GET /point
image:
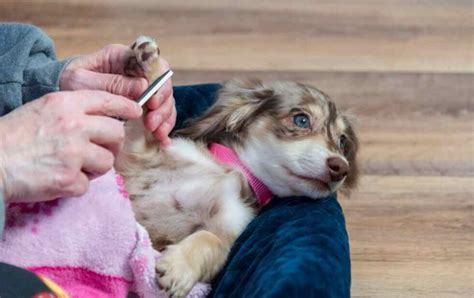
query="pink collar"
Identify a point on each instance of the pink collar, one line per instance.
(226, 155)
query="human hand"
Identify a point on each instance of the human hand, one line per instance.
(52, 146)
(104, 70)
(161, 116)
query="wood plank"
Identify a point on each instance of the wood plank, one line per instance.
(276, 35)
(412, 236)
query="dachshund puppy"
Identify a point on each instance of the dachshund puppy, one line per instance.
(257, 141)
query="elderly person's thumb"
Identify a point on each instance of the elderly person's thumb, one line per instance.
(82, 79)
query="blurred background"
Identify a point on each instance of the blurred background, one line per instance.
(404, 68)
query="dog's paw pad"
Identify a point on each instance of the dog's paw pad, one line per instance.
(174, 274)
(132, 67)
(143, 57)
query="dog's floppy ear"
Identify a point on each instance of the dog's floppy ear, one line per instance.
(351, 156)
(239, 102)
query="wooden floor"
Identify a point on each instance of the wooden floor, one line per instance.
(404, 68)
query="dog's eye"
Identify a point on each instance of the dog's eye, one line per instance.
(301, 120)
(343, 142)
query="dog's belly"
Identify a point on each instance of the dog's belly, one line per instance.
(189, 191)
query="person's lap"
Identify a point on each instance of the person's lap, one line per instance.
(295, 247)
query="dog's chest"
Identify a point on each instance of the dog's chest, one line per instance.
(185, 167)
(189, 186)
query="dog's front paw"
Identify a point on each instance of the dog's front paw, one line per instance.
(174, 272)
(143, 58)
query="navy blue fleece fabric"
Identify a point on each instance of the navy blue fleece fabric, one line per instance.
(295, 247)
(193, 101)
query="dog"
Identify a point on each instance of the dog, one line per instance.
(286, 138)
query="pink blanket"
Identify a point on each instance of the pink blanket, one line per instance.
(90, 245)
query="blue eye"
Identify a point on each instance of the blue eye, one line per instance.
(343, 142)
(301, 120)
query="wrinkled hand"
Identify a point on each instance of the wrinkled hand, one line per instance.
(104, 71)
(52, 146)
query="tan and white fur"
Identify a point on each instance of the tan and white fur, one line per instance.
(290, 136)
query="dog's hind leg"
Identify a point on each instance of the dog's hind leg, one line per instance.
(198, 257)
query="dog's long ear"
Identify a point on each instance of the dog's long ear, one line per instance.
(239, 102)
(350, 153)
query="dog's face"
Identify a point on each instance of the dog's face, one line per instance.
(290, 135)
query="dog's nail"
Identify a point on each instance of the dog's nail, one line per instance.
(143, 45)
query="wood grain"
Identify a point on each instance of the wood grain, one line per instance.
(271, 35)
(411, 236)
(404, 68)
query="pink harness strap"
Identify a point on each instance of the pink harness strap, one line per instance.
(226, 155)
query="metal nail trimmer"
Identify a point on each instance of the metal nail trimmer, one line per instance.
(154, 87)
(151, 90)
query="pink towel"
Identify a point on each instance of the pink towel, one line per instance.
(90, 245)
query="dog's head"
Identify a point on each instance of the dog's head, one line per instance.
(290, 135)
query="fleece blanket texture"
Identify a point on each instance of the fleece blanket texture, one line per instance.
(91, 245)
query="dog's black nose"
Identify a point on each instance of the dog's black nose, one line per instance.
(338, 168)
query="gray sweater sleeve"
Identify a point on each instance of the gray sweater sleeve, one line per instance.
(28, 65)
